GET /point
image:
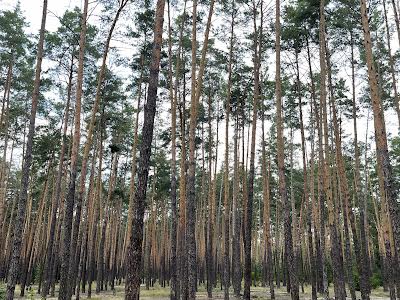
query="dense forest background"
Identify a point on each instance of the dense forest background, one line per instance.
(212, 148)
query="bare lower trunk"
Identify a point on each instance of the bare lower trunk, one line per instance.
(291, 263)
(64, 293)
(134, 254)
(20, 219)
(384, 168)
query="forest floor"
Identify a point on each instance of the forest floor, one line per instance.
(158, 293)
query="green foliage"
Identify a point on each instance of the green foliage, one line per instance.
(395, 155)
(2, 291)
(376, 280)
(13, 40)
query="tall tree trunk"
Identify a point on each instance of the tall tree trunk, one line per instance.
(101, 263)
(267, 214)
(236, 224)
(73, 266)
(305, 181)
(97, 199)
(248, 217)
(3, 163)
(64, 293)
(174, 211)
(391, 64)
(386, 181)
(361, 199)
(197, 83)
(211, 201)
(291, 262)
(226, 165)
(348, 216)
(319, 210)
(396, 18)
(133, 159)
(55, 200)
(20, 219)
(340, 292)
(134, 254)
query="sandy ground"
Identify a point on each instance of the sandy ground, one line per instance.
(158, 293)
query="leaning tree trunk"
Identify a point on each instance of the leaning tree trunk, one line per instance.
(20, 219)
(386, 181)
(391, 64)
(134, 254)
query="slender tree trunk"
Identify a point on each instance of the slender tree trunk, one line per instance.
(396, 18)
(386, 181)
(55, 200)
(3, 164)
(211, 200)
(101, 264)
(339, 284)
(391, 64)
(73, 266)
(97, 197)
(197, 83)
(291, 262)
(64, 293)
(236, 261)
(361, 199)
(226, 171)
(305, 182)
(174, 211)
(248, 217)
(348, 216)
(20, 220)
(267, 214)
(320, 221)
(133, 158)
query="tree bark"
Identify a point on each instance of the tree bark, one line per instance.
(64, 293)
(226, 170)
(174, 210)
(134, 254)
(20, 219)
(196, 87)
(55, 200)
(73, 266)
(291, 261)
(387, 185)
(361, 199)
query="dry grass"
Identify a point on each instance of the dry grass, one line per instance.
(158, 293)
